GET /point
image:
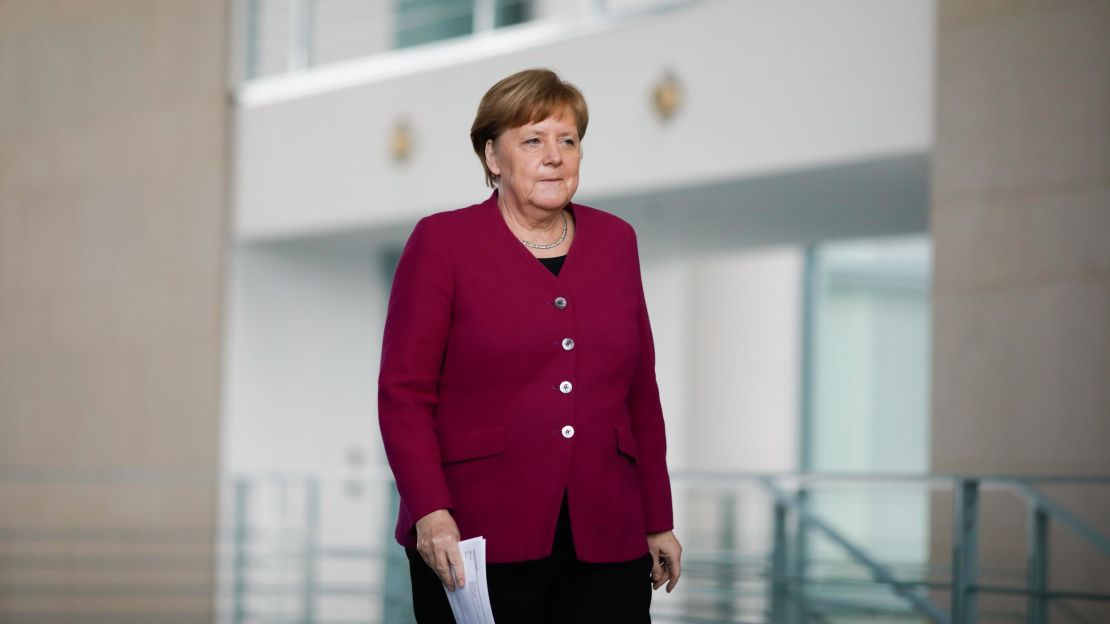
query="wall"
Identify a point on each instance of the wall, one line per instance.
(744, 361)
(1021, 227)
(113, 160)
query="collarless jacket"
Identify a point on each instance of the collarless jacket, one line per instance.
(502, 386)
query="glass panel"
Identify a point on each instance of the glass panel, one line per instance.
(511, 12)
(870, 349)
(869, 392)
(425, 21)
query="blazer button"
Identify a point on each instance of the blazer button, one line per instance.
(565, 387)
(560, 302)
(568, 343)
(568, 432)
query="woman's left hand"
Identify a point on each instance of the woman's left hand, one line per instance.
(666, 559)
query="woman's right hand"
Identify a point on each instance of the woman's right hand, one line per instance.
(437, 541)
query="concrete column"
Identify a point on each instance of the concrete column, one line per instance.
(113, 168)
(1021, 227)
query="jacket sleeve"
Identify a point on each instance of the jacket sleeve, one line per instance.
(646, 414)
(417, 324)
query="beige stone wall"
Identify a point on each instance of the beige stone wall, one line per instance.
(113, 168)
(1021, 228)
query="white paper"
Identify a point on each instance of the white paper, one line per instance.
(470, 603)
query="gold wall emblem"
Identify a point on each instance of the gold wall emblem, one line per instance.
(667, 95)
(401, 142)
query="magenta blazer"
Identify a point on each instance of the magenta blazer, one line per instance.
(503, 385)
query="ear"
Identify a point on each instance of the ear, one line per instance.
(491, 158)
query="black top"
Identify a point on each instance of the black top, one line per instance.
(554, 264)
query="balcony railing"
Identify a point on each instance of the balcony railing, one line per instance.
(786, 548)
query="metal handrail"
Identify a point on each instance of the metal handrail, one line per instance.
(1041, 509)
(785, 572)
(880, 572)
(1081, 528)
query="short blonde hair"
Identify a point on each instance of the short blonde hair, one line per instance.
(525, 97)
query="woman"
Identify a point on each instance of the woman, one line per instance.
(517, 394)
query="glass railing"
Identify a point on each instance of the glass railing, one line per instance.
(119, 547)
(278, 37)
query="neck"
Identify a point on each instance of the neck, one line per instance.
(530, 219)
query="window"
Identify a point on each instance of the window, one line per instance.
(285, 36)
(424, 21)
(868, 388)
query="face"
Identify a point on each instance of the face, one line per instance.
(537, 162)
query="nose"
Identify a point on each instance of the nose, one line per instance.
(552, 156)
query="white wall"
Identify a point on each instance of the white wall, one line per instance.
(666, 289)
(304, 334)
(745, 361)
(769, 86)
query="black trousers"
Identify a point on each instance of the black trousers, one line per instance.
(559, 588)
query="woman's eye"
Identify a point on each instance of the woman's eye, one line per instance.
(568, 141)
(532, 141)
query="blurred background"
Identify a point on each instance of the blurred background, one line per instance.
(876, 248)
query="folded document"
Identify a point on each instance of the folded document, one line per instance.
(470, 603)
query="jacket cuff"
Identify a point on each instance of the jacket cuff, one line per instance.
(423, 492)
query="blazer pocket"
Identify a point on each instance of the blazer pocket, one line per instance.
(626, 442)
(457, 446)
